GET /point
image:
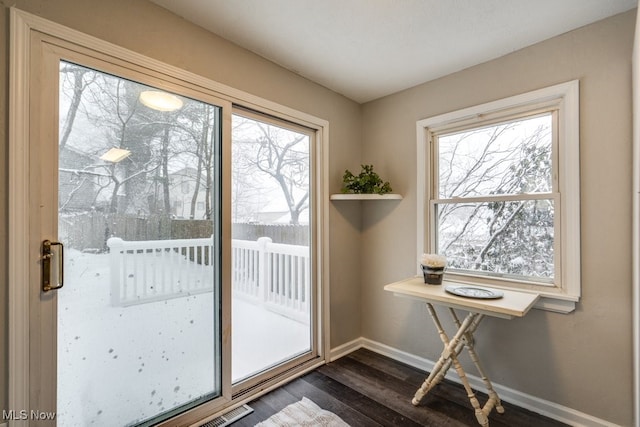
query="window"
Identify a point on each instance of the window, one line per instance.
(500, 193)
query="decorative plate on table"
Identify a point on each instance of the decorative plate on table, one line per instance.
(473, 292)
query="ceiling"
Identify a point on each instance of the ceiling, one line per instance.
(366, 49)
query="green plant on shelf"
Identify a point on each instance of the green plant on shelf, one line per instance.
(367, 182)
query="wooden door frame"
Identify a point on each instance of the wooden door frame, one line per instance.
(21, 260)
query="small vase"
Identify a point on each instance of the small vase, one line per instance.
(432, 275)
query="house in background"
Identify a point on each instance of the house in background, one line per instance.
(78, 191)
(182, 188)
(577, 366)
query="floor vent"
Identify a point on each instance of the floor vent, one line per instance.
(229, 417)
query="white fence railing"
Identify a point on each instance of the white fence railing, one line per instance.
(156, 270)
(275, 275)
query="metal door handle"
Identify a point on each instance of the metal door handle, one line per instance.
(47, 254)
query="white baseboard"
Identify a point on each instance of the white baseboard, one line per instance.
(515, 397)
(344, 349)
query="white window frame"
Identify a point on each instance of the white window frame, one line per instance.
(564, 98)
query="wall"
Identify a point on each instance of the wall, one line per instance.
(148, 29)
(636, 219)
(582, 360)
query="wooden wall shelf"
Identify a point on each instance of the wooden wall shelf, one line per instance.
(366, 197)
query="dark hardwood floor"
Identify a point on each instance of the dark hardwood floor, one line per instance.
(367, 389)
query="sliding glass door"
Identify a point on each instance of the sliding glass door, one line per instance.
(273, 292)
(127, 216)
(138, 317)
(167, 241)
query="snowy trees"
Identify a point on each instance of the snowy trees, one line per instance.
(169, 169)
(494, 202)
(99, 112)
(265, 157)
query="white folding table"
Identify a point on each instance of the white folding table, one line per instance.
(512, 304)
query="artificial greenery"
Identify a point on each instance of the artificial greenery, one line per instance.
(367, 182)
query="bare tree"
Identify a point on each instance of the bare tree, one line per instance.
(281, 155)
(110, 104)
(510, 236)
(78, 84)
(195, 132)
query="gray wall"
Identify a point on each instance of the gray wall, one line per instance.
(148, 29)
(582, 360)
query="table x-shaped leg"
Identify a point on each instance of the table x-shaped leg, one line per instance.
(452, 348)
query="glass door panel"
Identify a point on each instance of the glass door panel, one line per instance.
(271, 257)
(139, 334)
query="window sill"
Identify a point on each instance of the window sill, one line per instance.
(555, 305)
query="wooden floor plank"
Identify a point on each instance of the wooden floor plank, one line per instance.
(375, 360)
(261, 411)
(414, 377)
(266, 406)
(380, 414)
(396, 395)
(332, 403)
(449, 390)
(367, 389)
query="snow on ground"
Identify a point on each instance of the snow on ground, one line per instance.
(119, 365)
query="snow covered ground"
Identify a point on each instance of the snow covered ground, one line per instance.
(119, 365)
